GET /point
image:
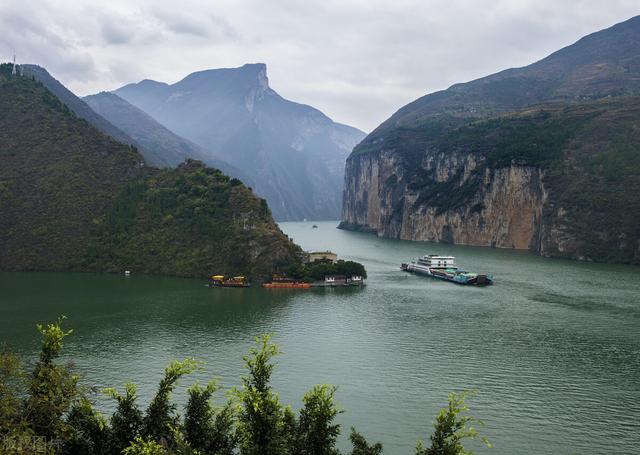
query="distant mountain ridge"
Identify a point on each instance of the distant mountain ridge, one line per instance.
(73, 102)
(293, 153)
(160, 146)
(544, 157)
(601, 64)
(126, 124)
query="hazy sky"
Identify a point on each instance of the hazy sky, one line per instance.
(358, 61)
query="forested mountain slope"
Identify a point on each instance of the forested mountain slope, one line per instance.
(72, 198)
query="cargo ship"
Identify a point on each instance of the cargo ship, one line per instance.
(445, 268)
(220, 281)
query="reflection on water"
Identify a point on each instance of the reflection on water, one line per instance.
(553, 347)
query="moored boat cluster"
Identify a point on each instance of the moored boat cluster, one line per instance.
(320, 269)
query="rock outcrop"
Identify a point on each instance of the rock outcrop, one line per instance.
(506, 212)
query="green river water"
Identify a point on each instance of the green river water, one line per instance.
(553, 348)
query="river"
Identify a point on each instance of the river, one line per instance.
(553, 348)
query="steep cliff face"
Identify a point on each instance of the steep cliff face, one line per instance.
(559, 180)
(505, 212)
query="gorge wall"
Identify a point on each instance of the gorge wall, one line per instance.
(505, 212)
(544, 157)
(557, 180)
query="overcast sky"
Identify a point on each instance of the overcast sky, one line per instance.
(356, 60)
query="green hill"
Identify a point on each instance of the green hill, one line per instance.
(72, 198)
(600, 65)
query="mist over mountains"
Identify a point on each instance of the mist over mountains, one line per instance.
(128, 125)
(293, 153)
(159, 145)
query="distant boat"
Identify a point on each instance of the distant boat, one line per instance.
(219, 281)
(315, 226)
(445, 268)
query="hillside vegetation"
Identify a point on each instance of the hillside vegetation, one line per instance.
(72, 198)
(189, 221)
(545, 157)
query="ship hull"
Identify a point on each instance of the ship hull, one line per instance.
(457, 278)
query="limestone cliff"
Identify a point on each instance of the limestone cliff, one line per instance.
(505, 212)
(475, 186)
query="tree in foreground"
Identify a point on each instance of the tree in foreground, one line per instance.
(52, 388)
(261, 417)
(126, 421)
(361, 446)
(160, 419)
(208, 429)
(12, 379)
(145, 447)
(452, 426)
(317, 430)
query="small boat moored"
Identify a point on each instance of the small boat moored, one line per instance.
(220, 281)
(445, 268)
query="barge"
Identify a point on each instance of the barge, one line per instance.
(445, 268)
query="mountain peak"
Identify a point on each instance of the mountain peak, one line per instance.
(249, 76)
(260, 72)
(258, 67)
(151, 83)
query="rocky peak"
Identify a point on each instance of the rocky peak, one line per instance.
(260, 87)
(259, 72)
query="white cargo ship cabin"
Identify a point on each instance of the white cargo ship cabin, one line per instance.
(434, 261)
